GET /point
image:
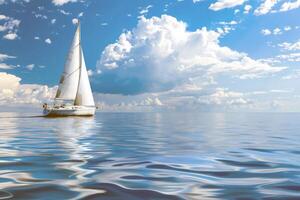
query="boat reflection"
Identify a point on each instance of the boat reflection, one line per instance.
(75, 137)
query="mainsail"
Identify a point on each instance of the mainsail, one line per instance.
(74, 82)
(68, 82)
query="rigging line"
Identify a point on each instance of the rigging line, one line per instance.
(67, 76)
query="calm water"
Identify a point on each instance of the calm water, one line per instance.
(150, 156)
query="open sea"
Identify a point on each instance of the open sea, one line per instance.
(150, 156)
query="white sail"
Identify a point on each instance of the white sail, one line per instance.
(69, 80)
(84, 96)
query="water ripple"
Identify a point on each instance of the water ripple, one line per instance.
(150, 156)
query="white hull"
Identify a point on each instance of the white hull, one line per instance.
(69, 111)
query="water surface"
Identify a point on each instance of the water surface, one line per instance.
(150, 156)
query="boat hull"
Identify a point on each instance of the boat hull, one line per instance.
(69, 111)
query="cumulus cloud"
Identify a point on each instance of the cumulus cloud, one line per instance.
(221, 4)
(9, 81)
(161, 54)
(12, 91)
(10, 36)
(265, 7)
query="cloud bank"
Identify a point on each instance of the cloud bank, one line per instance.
(13, 92)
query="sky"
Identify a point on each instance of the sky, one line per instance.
(183, 55)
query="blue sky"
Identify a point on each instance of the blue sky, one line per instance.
(219, 53)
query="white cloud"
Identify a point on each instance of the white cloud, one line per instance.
(290, 46)
(247, 9)
(48, 41)
(10, 24)
(160, 54)
(190, 97)
(226, 27)
(292, 57)
(53, 21)
(62, 2)
(265, 7)
(117, 102)
(287, 28)
(12, 91)
(10, 36)
(266, 32)
(286, 6)
(229, 23)
(14, 1)
(36, 38)
(9, 81)
(294, 75)
(3, 17)
(64, 12)
(5, 57)
(221, 4)
(277, 31)
(145, 10)
(221, 96)
(6, 66)
(236, 11)
(30, 67)
(36, 15)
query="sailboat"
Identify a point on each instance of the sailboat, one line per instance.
(74, 95)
